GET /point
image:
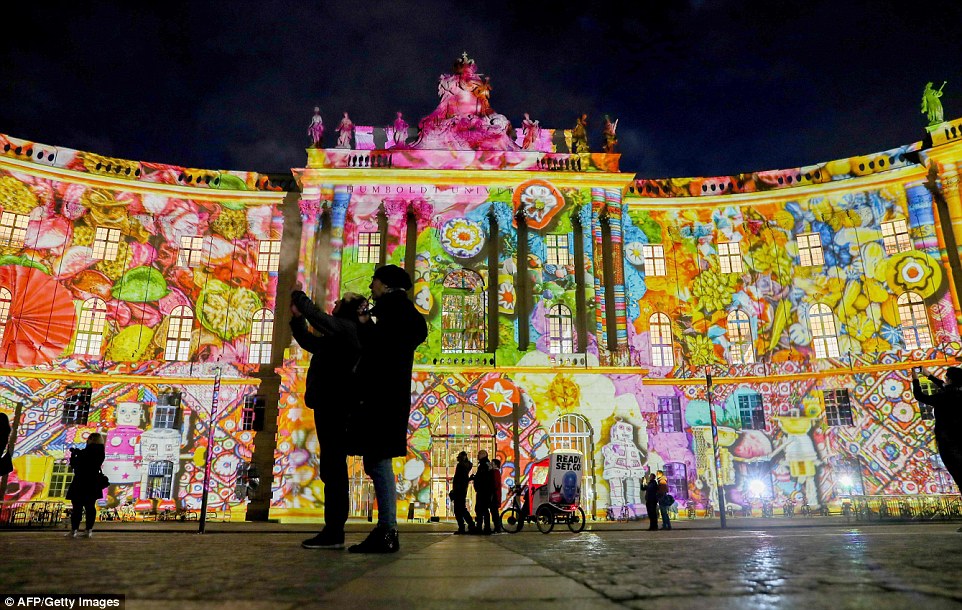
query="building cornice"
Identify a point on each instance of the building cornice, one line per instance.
(457, 177)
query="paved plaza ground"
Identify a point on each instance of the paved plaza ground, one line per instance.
(755, 564)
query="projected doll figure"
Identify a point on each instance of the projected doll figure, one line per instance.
(122, 464)
(623, 467)
(316, 129)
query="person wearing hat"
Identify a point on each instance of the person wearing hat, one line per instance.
(378, 428)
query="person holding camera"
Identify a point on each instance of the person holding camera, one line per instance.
(946, 402)
(459, 494)
(331, 393)
(87, 485)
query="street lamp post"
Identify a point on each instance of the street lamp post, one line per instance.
(715, 448)
(202, 522)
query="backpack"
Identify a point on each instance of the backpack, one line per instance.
(666, 500)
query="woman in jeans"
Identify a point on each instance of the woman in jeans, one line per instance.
(86, 487)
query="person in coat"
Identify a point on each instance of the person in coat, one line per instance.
(330, 392)
(459, 494)
(662, 495)
(651, 501)
(947, 407)
(496, 496)
(483, 492)
(378, 429)
(86, 487)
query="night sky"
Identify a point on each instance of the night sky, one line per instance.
(700, 87)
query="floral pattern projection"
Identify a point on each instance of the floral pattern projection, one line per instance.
(54, 272)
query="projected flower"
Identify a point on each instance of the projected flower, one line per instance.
(462, 238)
(506, 296)
(423, 299)
(497, 396)
(915, 271)
(41, 318)
(540, 201)
(635, 253)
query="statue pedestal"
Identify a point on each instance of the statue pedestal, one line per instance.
(935, 127)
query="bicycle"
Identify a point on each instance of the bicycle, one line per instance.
(620, 513)
(691, 511)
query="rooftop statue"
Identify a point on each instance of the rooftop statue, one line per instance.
(345, 130)
(316, 128)
(532, 130)
(400, 129)
(464, 119)
(611, 139)
(579, 135)
(931, 104)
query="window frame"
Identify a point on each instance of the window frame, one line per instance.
(559, 320)
(677, 483)
(752, 404)
(90, 327)
(741, 345)
(557, 253)
(6, 302)
(810, 253)
(261, 335)
(61, 475)
(730, 257)
(76, 406)
(368, 247)
(167, 409)
(656, 340)
(669, 414)
(458, 304)
(191, 251)
(106, 244)
(918, 326)
(893, 239)
(13, 229)
(166, 477)
(269, 255)
(656, 254)
(823, 340)
(838, 407)
(252, 413)
(177, 343)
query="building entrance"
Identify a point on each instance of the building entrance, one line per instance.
(461, 428)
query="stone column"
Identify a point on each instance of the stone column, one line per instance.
(342, 197)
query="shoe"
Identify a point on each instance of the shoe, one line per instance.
(652, 529)
(486, 532)
(378, 541)
(325, 540)
(460, 533)
(71, 534)
(87, 534)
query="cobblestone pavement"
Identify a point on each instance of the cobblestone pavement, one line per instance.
(877, 567)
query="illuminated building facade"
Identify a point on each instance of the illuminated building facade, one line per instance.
(570, 305)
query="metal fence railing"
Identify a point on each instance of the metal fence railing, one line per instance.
(935, 507)
(31, 514)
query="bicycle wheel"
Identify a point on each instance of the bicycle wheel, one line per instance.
(576, 520)
(511, 520)
(545, 519)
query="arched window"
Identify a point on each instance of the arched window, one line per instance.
(461, 428)
(821, 321)
(178, 334)
(573, 431)
(262, 332)
(662, 350)
(5, 300)
(914, 321)
(464, 313)
(560, 330)
(90, 329)
(740, 350)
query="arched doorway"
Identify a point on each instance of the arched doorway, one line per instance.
(573, 431)
(460, 428)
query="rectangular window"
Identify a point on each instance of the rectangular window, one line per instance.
(677, 475)
(729, 257)
(60, 479)
(252, 416)
(895, 236)
(751, 411)
(106, 244)
(160, 479)
(269, 255)
(13, 229)
(838, 407)
(76, 406)
(654, 259)
(557, 249)
(167, 411)
(369, 247)
(810, 250)
(191, 250)
(669, 414)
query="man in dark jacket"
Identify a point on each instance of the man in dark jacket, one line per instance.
(483, 491)
(651, 501)
(378, 430)
(496, 496)
(459, 493)
(947, 408)
(331, 394)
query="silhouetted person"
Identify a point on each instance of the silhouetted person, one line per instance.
(496, 495)
(378, 429)
(946, 402)
(459, 493)
(651, 501)
(6, 460)
(331, 392)
(483, 490)
(663, 503)
(86, 487)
